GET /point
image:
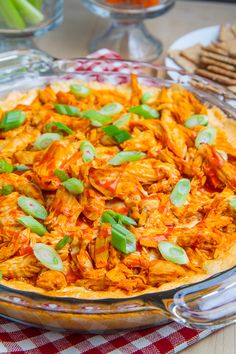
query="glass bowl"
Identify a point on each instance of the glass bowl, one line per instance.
(12, 38)
(127, 34)
(210, 303)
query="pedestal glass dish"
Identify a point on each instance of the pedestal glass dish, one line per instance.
(127, 34)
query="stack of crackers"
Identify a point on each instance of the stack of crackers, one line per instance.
(216, 62)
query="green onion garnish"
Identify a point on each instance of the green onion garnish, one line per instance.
(172, 252)
(44, 140)
(232, 203)
(146, 97)
(122, 239)
(48, 256)
(21, 168)
(115, 217)
(12, 120)
(196, 120)
(126, 156)
(74, 185)
(180, 192)
(80, 90)
(67, 110)
(29, 12)
(7, 189)
(59, 126)
(10, 15)
(32, 207)
(123, 121)
(5, 167)
(63, 242)
(111, 109)
(145, 111)
(97, 119)
(223, 154)
(205, 136)
(88, 150)
(118, 134)
(62, 175)
(33, 225)
(37, 3)
(0, 274)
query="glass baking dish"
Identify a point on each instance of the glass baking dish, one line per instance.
(210, 303)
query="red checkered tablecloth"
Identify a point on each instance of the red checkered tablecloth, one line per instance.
(166, 339)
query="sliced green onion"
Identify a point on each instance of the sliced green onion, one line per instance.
(172, 252)
(0, 274)
(33, 225)
(126, 156)
(89, 151)
(21, 168)
(80, 90)
(67, 110)
(146, 97)
(180, 192)
(117, 218)
(62, 175)
(59, 126)
(123, 121)
(232, 203)
(12, 120)
(196, 120)
(44, 140)
(74, 185)
(223, 154)
(7, 189)
(111, 109)
(63, 242)
(145, 111)
(122, 239)
(29, 12)
(205, 136)
(10, 15)
(32, 207)
(118, 134)
(5, 167)
(107, 218)
(37, 3)
(48, 256)
(97, 119)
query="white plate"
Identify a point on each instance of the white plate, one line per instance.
(204, 36)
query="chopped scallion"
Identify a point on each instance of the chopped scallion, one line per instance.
(80, 90)
(232, 203)
(67, 110)
(21, 168)
(116, 217)
(44, 140)
(48, 256)
(173, 253)
(180, 192)
(5, 167)
(111, 109)
(123, 121)
(62, 175)
(7, 189)
(33, 225)
(122, 239)
(205, 136)
(88, 150)
(146, 97)
(58, 126)
(32, 207)
(126, 156)
(118, 134)
(74, 185)
(12, 120)
(196, 120)
(63, 242)
(97, 119)
(145, 111)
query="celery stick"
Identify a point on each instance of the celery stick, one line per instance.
(29, 12)
(10, 15)
(37, 3)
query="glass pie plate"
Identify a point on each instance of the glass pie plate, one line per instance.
(210, 303)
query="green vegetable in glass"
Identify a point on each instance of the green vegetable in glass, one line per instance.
(62, 175)
(32, 207)
(118, 134)
(48, 256)
(74, 185)
(12, 120)
(146, 97)
(196, 120)
(63, 242)
(44, 140)
(67, 110)
(205, 136)
(123, 121)
(10, 15)
(88, 150)
(223, 154)
(180, 192)
(7, 189)
(173, 253)
(30, 13)
(97, 119)
(37, 3)
(80, 90)
(145, 111)
(59, 126)
(33, 225)
(126, 156)
(111, 109)
(5, 167)
(122, 239)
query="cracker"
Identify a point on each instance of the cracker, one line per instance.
(221, 58)
(215, 49)
(221, 71)
(181, 61)
(192, 53)
(216, 77)
(226, 33)
(233, 29)
(208, 61)
(229, 46)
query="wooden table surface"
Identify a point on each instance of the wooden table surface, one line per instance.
(71, 40)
